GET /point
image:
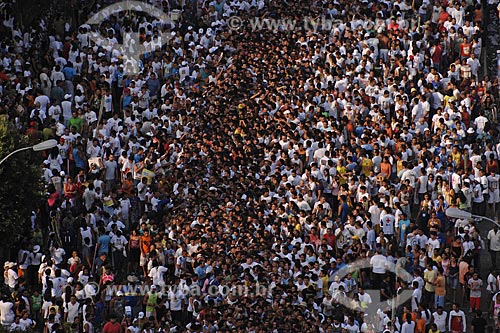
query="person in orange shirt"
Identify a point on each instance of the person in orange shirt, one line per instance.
(386, 167)
(128, 184)
(420, 326)
(492, 165)
(145, 246)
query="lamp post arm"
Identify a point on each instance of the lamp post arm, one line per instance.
(487, 219)
(14, 152)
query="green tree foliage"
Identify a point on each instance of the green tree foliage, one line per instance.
(20, 189)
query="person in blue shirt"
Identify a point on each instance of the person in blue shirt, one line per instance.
(153, 85)
(343, 209)
(78, 158)
(69, 72)
(103, 242)
(201, 271)
(403, 224)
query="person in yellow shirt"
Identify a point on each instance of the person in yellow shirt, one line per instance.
(341, 171)
(434, 329)
(436, 257)
(324, 277)
(456, 156)
(366, 165)
(429, 288)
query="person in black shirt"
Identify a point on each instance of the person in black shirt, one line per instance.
(478, 323)
(386, 289)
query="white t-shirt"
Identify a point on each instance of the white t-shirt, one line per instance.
(12, 278)
(440, 320)
(72, 310)
(491, 283)
(26, 323)
(388, 224)
(432, 245)
(156, 274)
(6, 313)
(416, 297)
(494, 238)
(379, 263)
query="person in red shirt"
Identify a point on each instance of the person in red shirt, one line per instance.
(443, 16)
(112, 326)
(393, 26)
(437, 54)
(329, 237)
(465, 50)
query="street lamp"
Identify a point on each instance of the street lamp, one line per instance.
(456, 213)
(38, 147)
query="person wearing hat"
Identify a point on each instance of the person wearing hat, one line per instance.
(134, 327)
(35, 260)
(117, 304)
(141, 320)
(12, 277)
(151, 301)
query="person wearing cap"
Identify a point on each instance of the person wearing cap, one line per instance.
(141, 320)
(151, 301)
(133, 327)
(117, 304)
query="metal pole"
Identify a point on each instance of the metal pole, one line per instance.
(487, 219)
(15, 152)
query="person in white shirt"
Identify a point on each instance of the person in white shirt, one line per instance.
(71, 310)
(119, 244)
(387, 220)
(456, 320)
(416, 296)
(494, 245)
(12, 278)
(439, 317)
(432, 244)
(408, 326)
(491, 283)
(379, 265)
(474, 64)
(7, 314)
(26, 323)
(478, 204)
(480, 122)
(494, 193)
(157, 274)
(364, 298)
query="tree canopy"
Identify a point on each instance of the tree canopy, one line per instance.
(20, 190)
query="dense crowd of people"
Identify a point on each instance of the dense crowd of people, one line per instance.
(228, 184)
